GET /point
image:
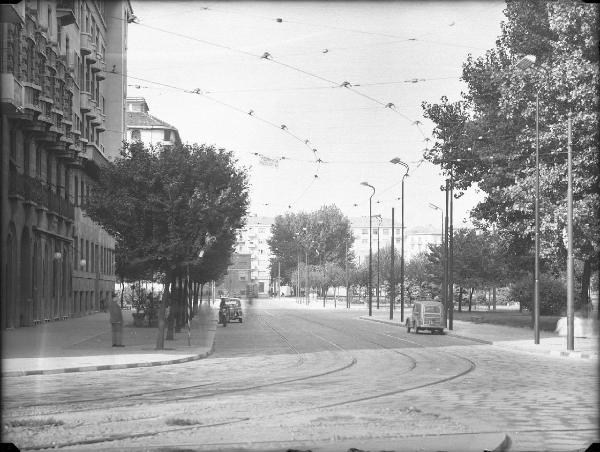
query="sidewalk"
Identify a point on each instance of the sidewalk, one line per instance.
(508, 337)
(85, 344)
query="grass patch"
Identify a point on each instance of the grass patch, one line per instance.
(181, 421)
(35, 422)
(510, 318)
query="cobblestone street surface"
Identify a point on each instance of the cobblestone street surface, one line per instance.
(319, 380)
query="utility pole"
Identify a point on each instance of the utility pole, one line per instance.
(446, 297)
(570, 307)
(378, 263)
(347, 294)
(392, 278)
(451, 264)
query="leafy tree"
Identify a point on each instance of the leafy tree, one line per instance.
(164, 205)
(553, 294)
(322, 234)
(487, 138)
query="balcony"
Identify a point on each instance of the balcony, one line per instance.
(32, 98)
(86, 102)
(11, 93)
(93, 55)
(97, 120)
(93, 113)
(87, 45)
(14, 14)
(65, 12)
(99, 66)
(35, 191)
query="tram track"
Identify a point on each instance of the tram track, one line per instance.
(413, 365)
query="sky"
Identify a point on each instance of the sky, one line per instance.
(313, 97)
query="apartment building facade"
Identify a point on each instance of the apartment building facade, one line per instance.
(252, 241)
(416, 239)
(57, 102)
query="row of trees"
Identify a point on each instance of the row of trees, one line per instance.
(321, 239)
(488, 137)
(483, 261)
(174, 212)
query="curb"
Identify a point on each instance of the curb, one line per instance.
(23, 373)
(446, 332)
(559, 353)
(556, 353)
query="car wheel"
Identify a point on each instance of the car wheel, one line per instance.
(240, 320)
(408, 327)
(416, 330)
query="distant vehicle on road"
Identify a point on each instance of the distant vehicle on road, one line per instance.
(426, 315)
(230, 309)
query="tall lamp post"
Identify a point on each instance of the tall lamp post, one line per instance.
(443, 292)
(366, 184)
(379, 220)
(528, 62)
(397, 161)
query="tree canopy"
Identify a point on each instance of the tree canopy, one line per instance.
(321, 236)
(166, 205)
(488, 137)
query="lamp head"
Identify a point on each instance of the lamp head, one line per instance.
(366, 184)
(433, 206)
(526, 62)
(396, 160)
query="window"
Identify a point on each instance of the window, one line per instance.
(365, 231)
(38, 162)
(50, 29)
(242, 278)
(167, 135)
(136, 134)
(76, 191)
(386, 231)
(365, 241)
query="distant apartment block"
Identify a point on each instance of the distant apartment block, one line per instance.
(142, 126)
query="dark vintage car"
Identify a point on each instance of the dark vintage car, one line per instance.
(230, 309)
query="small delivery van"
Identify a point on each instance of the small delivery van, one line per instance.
(426, 315)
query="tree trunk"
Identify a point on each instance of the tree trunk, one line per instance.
(180, 304)
(195, 302)
(471, 298)
(585, 285)
(460, 295)
(160, 338)
(494, 297)
(172, 307)
(201, 293)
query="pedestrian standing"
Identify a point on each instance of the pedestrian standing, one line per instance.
(116, 322)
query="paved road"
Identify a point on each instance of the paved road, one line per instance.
(316, 379)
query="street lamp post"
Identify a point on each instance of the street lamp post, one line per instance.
(528, 62)
(443, 291)
(397, 161)
(378, 231)
(392, 276)
(366, 184)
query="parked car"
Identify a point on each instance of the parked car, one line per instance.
(230, 309)
(426, 315)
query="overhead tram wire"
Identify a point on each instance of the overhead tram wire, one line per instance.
(267, 56)
(271, 123)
